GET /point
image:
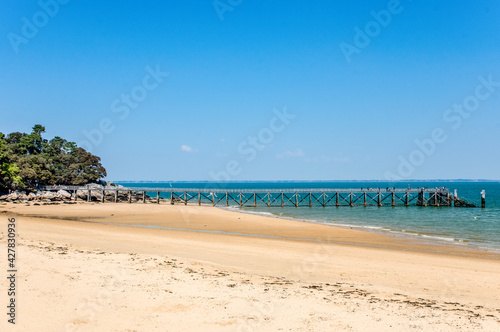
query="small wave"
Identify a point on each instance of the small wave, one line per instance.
(375, 227)
(448, 239)
(266, 214)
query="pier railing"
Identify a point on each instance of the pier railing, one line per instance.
(273, 197)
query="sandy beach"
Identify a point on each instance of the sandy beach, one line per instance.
(148, 267)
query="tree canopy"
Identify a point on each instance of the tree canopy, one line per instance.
(29, 160)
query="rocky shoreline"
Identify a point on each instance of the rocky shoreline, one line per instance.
(62, 196)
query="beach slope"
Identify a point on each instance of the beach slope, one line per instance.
(135, 267)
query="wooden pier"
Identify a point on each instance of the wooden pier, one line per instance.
(277, 197)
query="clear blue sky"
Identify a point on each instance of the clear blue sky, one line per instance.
(230, 65)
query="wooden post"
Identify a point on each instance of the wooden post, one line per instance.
(103, 194)
(483, 199)
(185, 198)
(116, 196)
(254, 199)
(89, 196)
(130, 196)
(296, 200)
(407, 198)
(144, 196)
(336, 199)
(227, 199)
(350, 199)
(324, 200)
(393, 199)
(436, 198)
(364, 199)
(157, 197)
(76, 194)
(282, 201)
(172, 198)
(379, 198)
(310, 199)
(199, 198)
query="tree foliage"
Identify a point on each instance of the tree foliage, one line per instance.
(29, 160)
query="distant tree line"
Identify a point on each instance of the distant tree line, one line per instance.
(28, 161)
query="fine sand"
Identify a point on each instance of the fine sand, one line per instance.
(89, 267)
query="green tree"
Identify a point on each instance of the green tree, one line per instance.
(29, 160)
(9, 177)
(85, 167)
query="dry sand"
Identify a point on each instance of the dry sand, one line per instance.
(79, 271)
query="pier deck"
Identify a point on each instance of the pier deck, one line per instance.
(280, 197)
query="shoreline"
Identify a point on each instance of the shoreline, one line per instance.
(430, 239)
(442, 235)
(399, 240)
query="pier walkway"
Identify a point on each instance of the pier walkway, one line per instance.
(277, 197)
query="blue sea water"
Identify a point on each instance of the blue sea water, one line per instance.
(474, 227)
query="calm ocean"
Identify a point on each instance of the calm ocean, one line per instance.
(474, 227)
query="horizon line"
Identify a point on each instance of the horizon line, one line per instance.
(238, 181)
